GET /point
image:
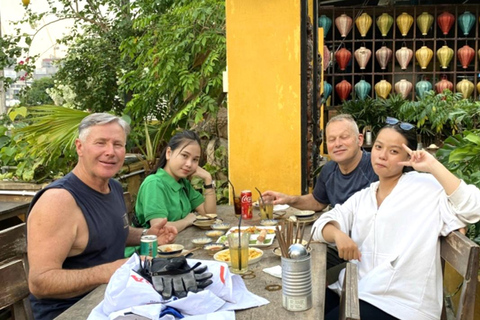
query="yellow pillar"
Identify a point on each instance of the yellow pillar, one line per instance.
(263, 59)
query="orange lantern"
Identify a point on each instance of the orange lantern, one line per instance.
(444, 55)
(344, 24)
(384, 23)
(362, 55)
(404, 87)
(383, 89)
(404, 56)
(343, 58)
(424, 56)
(404, 22)
(465, 55)
(383, 55)
(445, 21)
(364, 22)
(343, 89)
(424, 22)
(443, 84)
(466, 88)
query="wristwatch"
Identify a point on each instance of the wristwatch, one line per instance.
(209, 186)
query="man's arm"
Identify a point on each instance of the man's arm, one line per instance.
(305, 202)
(165, 233)
(57, 230)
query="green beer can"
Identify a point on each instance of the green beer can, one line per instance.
(148, 246)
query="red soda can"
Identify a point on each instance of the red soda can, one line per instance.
(246, 201)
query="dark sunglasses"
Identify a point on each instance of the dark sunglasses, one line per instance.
(405, 126)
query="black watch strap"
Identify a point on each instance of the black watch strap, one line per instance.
(208, 186)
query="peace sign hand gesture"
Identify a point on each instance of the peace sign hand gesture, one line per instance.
(420, 160)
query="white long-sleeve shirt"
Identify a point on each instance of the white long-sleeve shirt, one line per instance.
(400, 269)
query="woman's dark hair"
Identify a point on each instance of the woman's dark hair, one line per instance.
(409, 135)
(183, 138)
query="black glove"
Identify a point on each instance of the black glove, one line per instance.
(174, 277)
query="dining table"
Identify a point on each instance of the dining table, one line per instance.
(256, 280)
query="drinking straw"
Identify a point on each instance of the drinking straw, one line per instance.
(261, 198)
(233, 189)
(239, 246)
(311, 235)
(302, 232)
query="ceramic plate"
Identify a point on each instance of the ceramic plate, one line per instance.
(201, 241)
(307, 221)
(224, 256)
(269, 222)
(277, 207)
(214, 233)
(254, 232)
(221, 226)
(170, 249)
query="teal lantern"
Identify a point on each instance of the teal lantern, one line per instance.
(362, 89)
(421, 87)
(325, 23)
(466, 22)
(327, 90)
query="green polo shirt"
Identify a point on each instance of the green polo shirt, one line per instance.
(161, 196)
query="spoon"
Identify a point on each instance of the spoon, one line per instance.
(297, 251)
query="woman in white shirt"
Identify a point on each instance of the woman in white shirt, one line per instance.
(392, 229)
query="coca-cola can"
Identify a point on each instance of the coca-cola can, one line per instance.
(246, 201)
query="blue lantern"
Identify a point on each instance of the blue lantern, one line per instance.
(325, 23)
(466, 21)
(362, 89)
(327, 90)
(421, 87)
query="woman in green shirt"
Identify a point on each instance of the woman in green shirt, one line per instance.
(168, 193)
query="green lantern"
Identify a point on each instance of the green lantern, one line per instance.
(325, 23)
(421, 87)
(466, 21)
(362, 89)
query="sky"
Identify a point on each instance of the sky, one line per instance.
(44, 42)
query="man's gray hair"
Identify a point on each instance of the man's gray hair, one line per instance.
(345, 117)
(98, 119)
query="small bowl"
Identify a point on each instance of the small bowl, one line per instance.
(269, 222)
(213, 248)
(201, 241)
(170, 249)
(212, 215)
(304, 214)
(203, 218)
(221, 226)
(214, 233)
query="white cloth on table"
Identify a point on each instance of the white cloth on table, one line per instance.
(129, 293)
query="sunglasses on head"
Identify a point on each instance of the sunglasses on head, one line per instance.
(405, 126)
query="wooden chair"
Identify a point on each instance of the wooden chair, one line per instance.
(13, 272)
(462, 254)
(127, 197)
(349, 303)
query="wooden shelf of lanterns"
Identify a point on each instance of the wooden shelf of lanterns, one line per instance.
(375, 51)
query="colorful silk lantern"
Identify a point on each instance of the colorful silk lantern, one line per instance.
(325, 23)
(343, 89)
(424, 22)
(383, 55)
(403, 87)
(362, 89)
(344, 24)
(327, 58)
(384, 23)
(478, 87)
(327, 90)
(466, 88)
(466, 21)
(404, 23)
(362, 55)
(404, 56)
(444, 55)
(465, 55)
(445, 21)
(342, 57)
(383, 89)
(421, 87)
(424, 56)
(363, 23)
(443, 84)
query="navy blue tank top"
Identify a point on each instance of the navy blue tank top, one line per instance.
(106, 217)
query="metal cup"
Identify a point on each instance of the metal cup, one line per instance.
(297, 284)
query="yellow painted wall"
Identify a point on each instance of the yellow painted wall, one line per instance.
(263, 59)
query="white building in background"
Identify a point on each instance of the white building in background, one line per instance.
(47, 69)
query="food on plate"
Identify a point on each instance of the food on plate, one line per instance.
(262, 235)
(253, 230)
(225, 255)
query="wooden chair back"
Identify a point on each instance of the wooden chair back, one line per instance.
(13, 272)
(127, 197)
(462, 254)
(349, 303)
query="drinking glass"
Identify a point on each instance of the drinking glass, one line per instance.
(266, 208)
(238, 244)
(237, 204)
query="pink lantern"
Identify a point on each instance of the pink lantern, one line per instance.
(384, 55)
(404, 87)
(344, 24)
(404, 56)
(362, 55)
(327, 56)
(443, 84)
